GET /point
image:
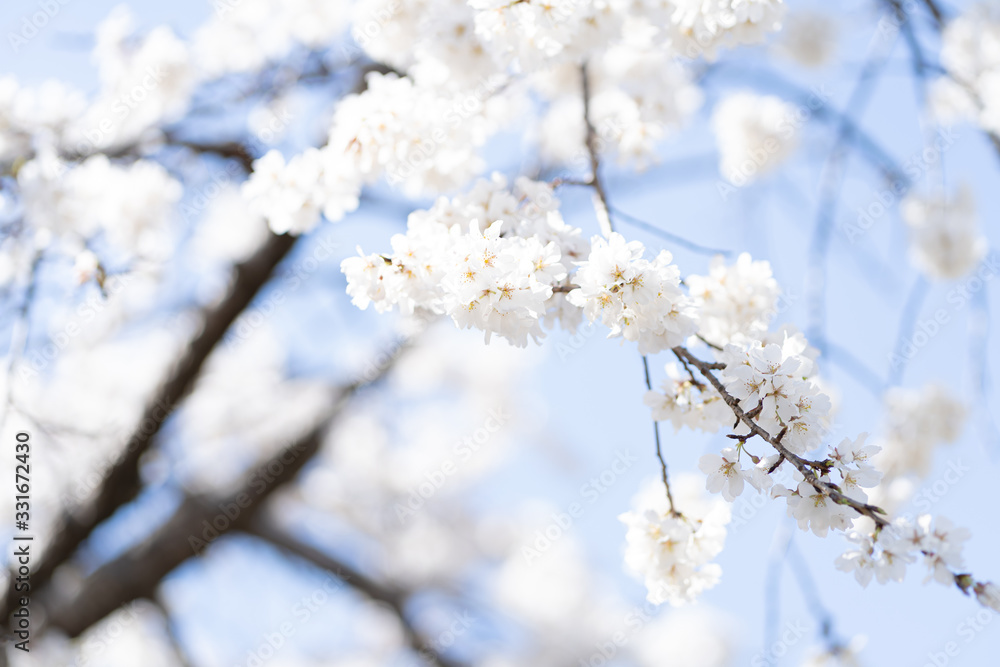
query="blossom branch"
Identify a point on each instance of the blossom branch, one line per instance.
(804, 466)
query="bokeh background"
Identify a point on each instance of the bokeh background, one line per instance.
(575, 403)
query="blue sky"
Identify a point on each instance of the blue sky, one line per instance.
(595, 395)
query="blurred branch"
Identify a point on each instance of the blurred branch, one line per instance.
(936, 12)
(229, 150)
(170, 630)
(394, 598)
(807, 585)
(940, 23)
(832, 184)
(907, 324)
(849, 130)
(137, 573)
(122, 482)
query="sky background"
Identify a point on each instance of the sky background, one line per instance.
(593, 397)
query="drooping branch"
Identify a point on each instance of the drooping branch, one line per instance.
(659, 451)
(394, 598)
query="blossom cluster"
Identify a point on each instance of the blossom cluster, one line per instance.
(683, 401)
(945, 243)
(411, 135)
(886, 555)
(755, 134)
(145, 81)
(917, 422)
(639, 96)
(970, 46)
(672, 551)
(244, 35)
(734, 301)
(774, 383)
(637, 299)
(489, 259)
(130, 204)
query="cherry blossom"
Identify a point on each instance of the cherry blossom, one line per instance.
(726, 474)
(638, 299)
(671, 552)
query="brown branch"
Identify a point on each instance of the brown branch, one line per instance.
(231, 150)
(394, 598)
(936, 12)
(804, 466)
(197, 522)
(122, 481)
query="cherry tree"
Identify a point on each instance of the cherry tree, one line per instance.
(343, 332)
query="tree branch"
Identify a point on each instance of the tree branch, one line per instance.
(394, 598)
(804, 466)
(122, 482)
(136, 573)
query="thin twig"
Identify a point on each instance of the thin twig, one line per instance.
(673, 238)
(656, 435)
